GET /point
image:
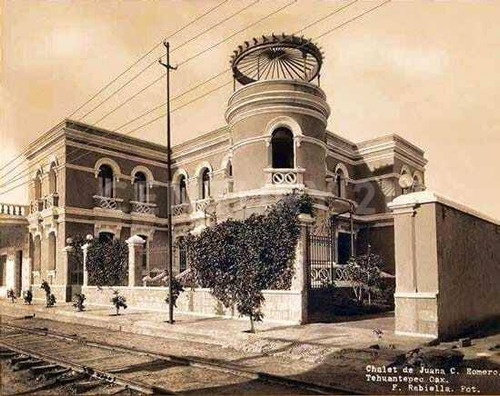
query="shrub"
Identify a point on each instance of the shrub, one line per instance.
(118, 301)
(364, 273)
(28, 296)
(237, 260)
(12, 295)
(107, 262)
(79, 299)
(51, 300)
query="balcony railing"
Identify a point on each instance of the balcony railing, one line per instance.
(180, 209)
(202, 204)
(107, 202)
(284, 176)
(36, 206)
(143, 207)
(13, 210)
(51, 201)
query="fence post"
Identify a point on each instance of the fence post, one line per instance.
(135, 245)
(300, 280)
(85, 249)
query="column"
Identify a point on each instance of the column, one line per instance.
(85, 249)
(135, 247)
(415, 248)
(300, 281)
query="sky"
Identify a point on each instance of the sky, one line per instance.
(428, 71)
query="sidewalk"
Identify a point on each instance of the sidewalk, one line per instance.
(313, 340)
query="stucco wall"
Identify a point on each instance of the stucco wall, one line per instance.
(280, 305)
(447, 266)
(469, 270)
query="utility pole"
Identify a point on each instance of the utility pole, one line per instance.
(169, 189)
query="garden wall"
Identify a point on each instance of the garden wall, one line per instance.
(447, 266)
(280, 305)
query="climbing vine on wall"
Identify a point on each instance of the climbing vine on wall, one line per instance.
(237, 260)
(107, 262)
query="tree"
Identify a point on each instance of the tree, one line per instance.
(118, 301)
(12, 295)
(237, 260)
(177, 289)
(28, 296)
(49, 297)
(364, 273)
(79, 300)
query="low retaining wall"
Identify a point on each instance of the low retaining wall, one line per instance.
(280, 305)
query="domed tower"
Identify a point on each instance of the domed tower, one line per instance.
(278, 115)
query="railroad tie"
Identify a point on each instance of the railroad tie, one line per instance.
(18, 358)
(55, 373)
(7, 355)
(42, 369)
(26, 364)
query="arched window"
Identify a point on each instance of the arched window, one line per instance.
(38, 186)
(106, 188)
(52, 251)
(340, 183)
(205, 184)
(282, 148)
(140, 187)
(182, 189)
(229, 169)
(52, 180)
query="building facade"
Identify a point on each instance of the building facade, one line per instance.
(90, 181)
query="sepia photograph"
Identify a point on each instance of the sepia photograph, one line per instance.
(249, 197)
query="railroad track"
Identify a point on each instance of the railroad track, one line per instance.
(59, 358)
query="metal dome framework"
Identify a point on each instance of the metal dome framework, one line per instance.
(285, 57)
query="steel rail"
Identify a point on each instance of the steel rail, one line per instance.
(196, 362)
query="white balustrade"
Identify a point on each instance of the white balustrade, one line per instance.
(143, 207)
(202, 204)
(180, 209)
(13, 210)
(51, 201)
(107, 202)
(284, 176)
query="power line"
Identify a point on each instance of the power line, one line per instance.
(152, 63)
(126, 70)
(197, 55)
(219, 87)
(20, 174)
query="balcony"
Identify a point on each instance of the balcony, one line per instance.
(107, 202)
(284, 177)
(36, 206)
(201, 205)
(143, 208)
(180, 209)
(51, 201)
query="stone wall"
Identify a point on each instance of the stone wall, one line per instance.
(280, 305)
(447, 266)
